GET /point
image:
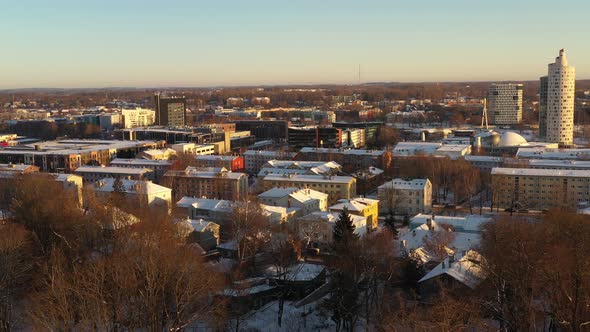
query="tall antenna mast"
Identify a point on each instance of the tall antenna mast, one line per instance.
(484, 116)
(359, 74)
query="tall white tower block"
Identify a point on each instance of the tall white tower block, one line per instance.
(560, 101)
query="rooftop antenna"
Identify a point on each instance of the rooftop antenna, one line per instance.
(484, 115)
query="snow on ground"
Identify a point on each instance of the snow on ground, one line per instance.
(305, 318)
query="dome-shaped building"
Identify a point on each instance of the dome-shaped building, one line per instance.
(512, 139)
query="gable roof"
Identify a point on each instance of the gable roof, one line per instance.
(465, 268)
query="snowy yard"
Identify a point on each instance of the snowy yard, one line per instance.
(305, 318)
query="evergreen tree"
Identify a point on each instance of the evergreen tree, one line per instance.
(118, 194)
(344, 228)
(390, 223)
(406, 221)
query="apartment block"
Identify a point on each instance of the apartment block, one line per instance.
(337, 187)
(217, 183)
(406, 197)
(538, 189)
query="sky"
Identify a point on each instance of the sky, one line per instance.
(146, 43)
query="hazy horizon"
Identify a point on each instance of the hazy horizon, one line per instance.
(148, 44)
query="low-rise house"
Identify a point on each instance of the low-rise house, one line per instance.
(364, 207)
(204, 233)
(464, 224)
(139, 194)
(160, 167)
(13, 169)
(255, 159)
(459, 272)
(431, 241)
(337, 187)
(233, 163)
(279, 215)
(368, 179)
(306, 200)
(406, 197)
(71, 182)
(316, 229)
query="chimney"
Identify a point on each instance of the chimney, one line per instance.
(443, 265)
(429, 224)
(451, 259)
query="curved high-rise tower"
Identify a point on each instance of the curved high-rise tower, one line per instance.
(561, 83)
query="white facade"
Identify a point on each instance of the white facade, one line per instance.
(406, 197)
(139, 117)
(317, 228)
(142, 194)
(560, 101)
(505, 103)
(307, 200)
(253, 159)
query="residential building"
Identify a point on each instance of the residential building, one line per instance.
(485, 163)
(317, 228)
(207, 182)
(233, 163)
(9, 170)
(471, 223)
(337, 187)
(538, 189)
(360, 206)
(505, 103)
(368, 179)
(91, 174)
(551, 153)
(137, 193)
(459, 272)
(215, 210)
(543, 98)
(416, 242)
(71, 182)
(254, 159)
(204, 233)
(351, 160)
(408, 149)
(170, 111)
(299, 167)
(278, 215)
(560, 101)
(306, 200)
(160, 167)
(406, 197)
(138, 117)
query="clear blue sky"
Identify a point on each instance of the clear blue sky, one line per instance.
(92, 43)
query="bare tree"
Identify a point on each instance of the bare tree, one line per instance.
(16, 269)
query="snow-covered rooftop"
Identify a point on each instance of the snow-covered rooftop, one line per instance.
(465, 268)
(131, 186)
(540, 172)
(400, 184)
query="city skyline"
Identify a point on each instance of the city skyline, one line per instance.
(229, 43)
